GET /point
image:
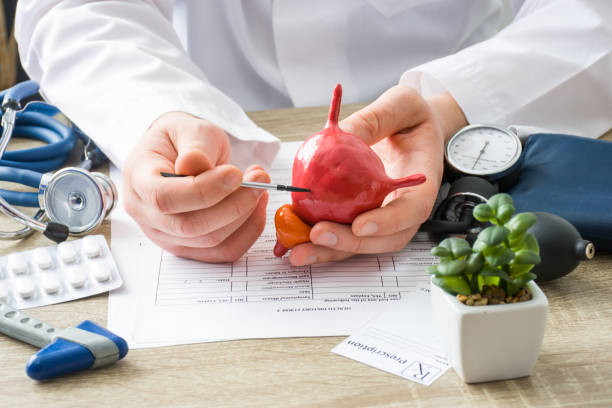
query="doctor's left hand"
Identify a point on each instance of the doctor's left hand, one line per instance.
(408, 134)
(207, 216)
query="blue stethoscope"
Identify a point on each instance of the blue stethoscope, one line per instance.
(73, 200)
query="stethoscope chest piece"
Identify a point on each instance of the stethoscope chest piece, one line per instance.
(77, 198)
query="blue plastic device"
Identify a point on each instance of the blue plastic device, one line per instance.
(64, 356)
(63, 351)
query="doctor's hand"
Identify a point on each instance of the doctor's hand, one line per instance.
(206, 216)
(408, 134)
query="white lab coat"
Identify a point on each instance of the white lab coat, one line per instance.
(114, 66)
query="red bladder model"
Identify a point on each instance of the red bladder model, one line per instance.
(345, 178)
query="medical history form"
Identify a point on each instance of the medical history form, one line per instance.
(172, 300)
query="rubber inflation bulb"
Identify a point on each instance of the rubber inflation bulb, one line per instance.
(561, 246)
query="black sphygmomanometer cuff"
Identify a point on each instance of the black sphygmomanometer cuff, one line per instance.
(568, 176)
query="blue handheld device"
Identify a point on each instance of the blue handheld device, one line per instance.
(63, 350)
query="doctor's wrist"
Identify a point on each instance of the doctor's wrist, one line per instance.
(449, 115)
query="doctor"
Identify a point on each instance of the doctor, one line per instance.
(163, 86)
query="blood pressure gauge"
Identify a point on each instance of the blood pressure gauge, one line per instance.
(483, 150)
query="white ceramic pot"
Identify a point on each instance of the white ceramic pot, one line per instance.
(494, 342)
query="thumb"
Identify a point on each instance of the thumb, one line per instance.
(200, 148)
(400, 107)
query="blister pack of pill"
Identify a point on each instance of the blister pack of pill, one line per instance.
(58, 273)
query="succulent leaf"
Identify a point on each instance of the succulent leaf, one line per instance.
(474, 263)
(488, 271)
(451, 267)
(479, 246)
(522, 280)
(452, 284)
(498, 200)
(457, 246)
(499, 256)
(432, 269)
(531, 243)
(511, 289)
(521, 222)
(526, 257)
(516, 241)
(493, 235)
(503, 254)
(517, 283)
(517, 270)
(483, 212)
(440, 251)
(504, 212)
(488, 280)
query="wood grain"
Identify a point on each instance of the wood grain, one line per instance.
(8, 53)
(574, 368)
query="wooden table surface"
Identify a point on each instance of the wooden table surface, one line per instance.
(574, 368)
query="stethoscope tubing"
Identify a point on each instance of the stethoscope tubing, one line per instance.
(21, 176)
(59, 141)
(11, 107)
(25, 166)
(38, 121)
(20, 91)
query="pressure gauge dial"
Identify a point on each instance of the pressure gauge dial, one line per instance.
(483, 150)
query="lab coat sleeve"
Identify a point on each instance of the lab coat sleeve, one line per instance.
(550, 68)
(113, 67)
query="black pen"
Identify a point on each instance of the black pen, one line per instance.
(253, 184)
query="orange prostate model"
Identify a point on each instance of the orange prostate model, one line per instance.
(290, 230)
(345, 178)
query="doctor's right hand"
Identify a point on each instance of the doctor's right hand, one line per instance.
(206, 216)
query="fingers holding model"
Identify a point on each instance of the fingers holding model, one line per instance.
(407, 133)
(207, 216)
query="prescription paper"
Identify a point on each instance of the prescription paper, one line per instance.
(169, 300)
(401, 341)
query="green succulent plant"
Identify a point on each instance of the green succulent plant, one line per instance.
(503, 254)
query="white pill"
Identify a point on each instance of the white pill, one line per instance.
(3, 291)
(17, 264)
(49, 282)
(24, 287)
(91, 247)
(66, 252)
(101, 271)
(43, 258)
(76, 276)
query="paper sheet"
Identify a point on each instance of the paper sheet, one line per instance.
(401, 340)
(170, 300)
